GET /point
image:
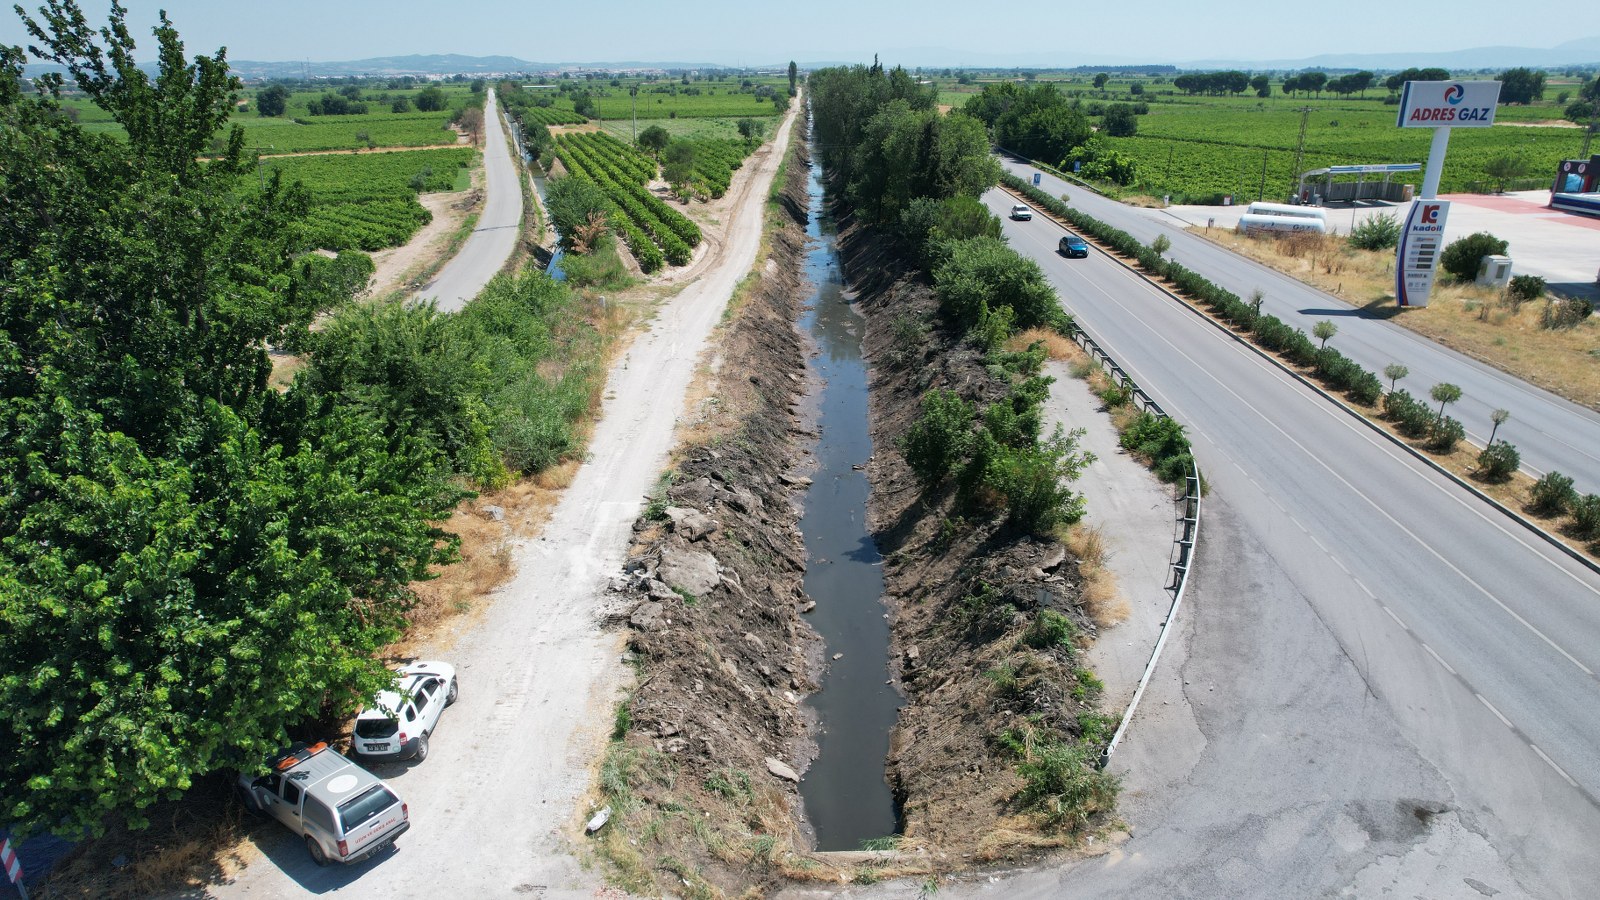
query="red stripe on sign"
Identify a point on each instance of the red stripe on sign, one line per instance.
(9, 859)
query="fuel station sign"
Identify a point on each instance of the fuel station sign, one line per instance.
(1448, 104)
(1421, 242)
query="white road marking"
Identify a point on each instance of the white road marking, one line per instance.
(1503, 720)
(1552, 763)
(1440, 660)
(1394, 617)
(1365, 434)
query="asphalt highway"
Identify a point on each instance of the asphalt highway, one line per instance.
(1551, 433)
(1382, 682)
(495, 235)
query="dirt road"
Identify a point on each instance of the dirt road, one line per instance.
(498, 804)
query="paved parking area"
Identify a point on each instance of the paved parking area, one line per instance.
(1562, 247)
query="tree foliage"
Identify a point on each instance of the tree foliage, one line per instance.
(1397, 81)
(431, 99)
(981, 275)
(575, 204)
(1230, 82)
(1120, 120)
(190, 561)
(1521, 85)
(272, 100)
(1038, 121)
(655, 139)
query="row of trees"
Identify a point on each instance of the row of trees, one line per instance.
(1037, 121)
(1230, 82)
(193, 562)
(882, 136)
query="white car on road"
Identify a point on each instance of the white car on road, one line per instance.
(1022, 212)
(397, 725)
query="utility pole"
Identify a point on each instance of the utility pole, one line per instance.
(1261, 192)
(1300, 150)
(634, 93)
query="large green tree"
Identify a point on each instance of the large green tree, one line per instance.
(1037, 121)
(1521, 85)
(272, 100)
(190, 561)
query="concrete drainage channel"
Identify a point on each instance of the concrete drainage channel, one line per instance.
(847, 798)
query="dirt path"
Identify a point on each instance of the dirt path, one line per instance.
(461, 141)
(1135, 515)
(396, 267)
(498, 804)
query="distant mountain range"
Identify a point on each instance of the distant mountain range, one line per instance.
(416, 64)
(1583, 52)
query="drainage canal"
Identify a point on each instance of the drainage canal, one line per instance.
(847, 798)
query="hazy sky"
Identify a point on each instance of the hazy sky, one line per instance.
(920, 32)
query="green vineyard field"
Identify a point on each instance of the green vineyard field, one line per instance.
(369, 202)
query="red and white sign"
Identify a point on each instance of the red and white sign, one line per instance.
(1418, 255)
(1448, 104)
(9, 861)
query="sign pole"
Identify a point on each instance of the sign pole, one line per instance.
(1440, 105)
(1430, 179)
(12, 866)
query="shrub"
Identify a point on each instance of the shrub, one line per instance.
(1034, 481)
(1061, 782)
(1525, 287)
(1552, 494)
(1445, 434)
(1299, 349)
(1463, 256)
(1410, 415)
(1271, 332)
(1499, 460)
(1162, 441)
(1380, 232)
(1565, 313)
(1335, 368)
(940, 439)
(985, 613)
(1367, 389)
(1049, 629)
(1586, 516)
(1173, 469)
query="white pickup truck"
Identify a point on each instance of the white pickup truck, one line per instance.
(343, 812)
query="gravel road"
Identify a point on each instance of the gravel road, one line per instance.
(497, 805)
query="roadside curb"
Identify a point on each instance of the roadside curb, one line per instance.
(1520, 519)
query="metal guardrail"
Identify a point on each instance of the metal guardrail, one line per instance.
(1185, 540)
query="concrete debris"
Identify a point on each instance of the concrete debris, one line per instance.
(690, 570)
(781, 770)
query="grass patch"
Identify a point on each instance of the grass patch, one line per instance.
(1100, 597)
(1478, 321)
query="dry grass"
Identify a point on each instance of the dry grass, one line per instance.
(1059, 347)
(178, 851)
(1101, 599)
(1144, 201)
(284, 368)
(1473, 320)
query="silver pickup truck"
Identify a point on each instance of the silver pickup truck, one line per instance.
(343, 812)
